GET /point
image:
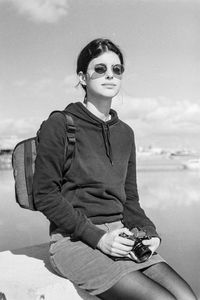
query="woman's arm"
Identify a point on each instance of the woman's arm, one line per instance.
(47, 184)
(134, 215)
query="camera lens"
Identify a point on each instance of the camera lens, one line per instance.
(141, 251)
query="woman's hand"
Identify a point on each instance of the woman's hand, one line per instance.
(153, 243)
(113, 244)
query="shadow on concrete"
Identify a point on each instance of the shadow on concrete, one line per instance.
(41, 252)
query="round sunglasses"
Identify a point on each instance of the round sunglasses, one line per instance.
(116, 69)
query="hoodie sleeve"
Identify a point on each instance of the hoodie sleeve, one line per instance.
(133, 214)
(47, 184)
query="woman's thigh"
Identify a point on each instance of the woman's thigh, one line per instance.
(164, 275)
(156, 282)
(136, 286)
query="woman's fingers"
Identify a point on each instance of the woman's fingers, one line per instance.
(117, 232)
(113, 244)
(153, 243)
(118, 252)
(132, 256)
(121, 248)
(124, 241)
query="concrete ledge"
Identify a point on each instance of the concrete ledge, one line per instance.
(26, 274)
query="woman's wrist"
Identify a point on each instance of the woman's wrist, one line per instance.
(100, 242)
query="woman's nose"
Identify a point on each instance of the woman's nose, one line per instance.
(109, 73)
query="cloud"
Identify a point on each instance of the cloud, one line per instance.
(39, 85)
(18, 128)
(158, 121)
(161, 122)
(48, 11)
(166, 113)
(20, 83)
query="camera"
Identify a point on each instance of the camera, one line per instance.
(141, 251)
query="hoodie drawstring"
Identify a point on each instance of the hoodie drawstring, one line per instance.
(106, 138)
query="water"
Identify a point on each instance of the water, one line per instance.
(170, 197)
(18, 227)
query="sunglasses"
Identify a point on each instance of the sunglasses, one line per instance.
(102, 68)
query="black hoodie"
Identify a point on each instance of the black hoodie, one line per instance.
(100, 186)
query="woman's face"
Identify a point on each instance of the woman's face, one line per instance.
(103, 78)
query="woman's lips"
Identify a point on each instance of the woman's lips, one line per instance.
(110, 85)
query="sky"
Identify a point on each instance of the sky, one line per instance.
(160, 39)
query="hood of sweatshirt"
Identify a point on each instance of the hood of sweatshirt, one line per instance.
(80, 111)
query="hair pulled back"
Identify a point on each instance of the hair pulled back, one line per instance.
(93, 50)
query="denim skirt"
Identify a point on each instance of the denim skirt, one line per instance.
(88, 268)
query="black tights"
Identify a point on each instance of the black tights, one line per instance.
(157, 282)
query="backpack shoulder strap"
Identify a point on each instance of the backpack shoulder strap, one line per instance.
(70, 138)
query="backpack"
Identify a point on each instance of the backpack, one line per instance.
(23, 162)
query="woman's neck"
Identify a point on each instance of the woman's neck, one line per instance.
(100, 108)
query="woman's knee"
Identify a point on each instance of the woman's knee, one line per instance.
(136, 285)
(171, 280)
(186, 294)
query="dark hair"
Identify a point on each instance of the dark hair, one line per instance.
(93, 50)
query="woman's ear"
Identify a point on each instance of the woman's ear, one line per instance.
(82, 78)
